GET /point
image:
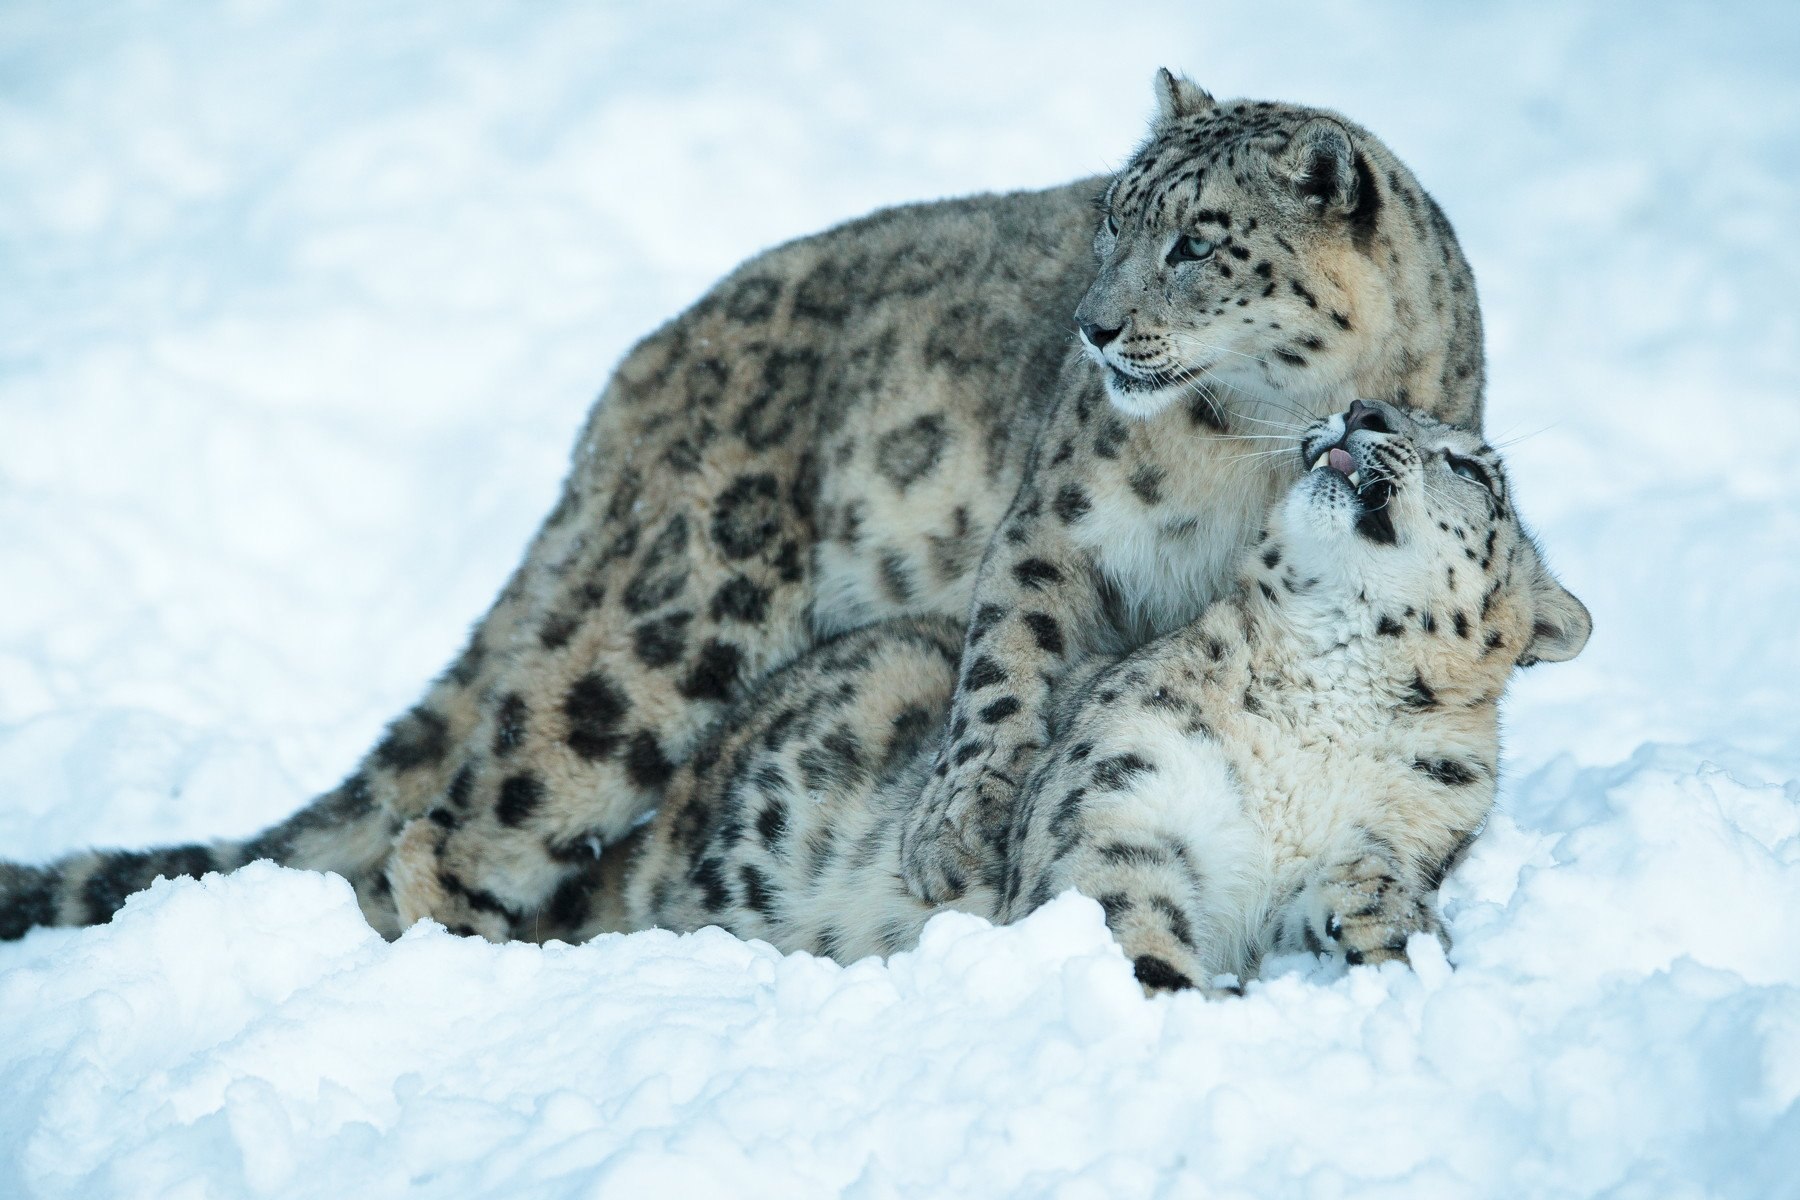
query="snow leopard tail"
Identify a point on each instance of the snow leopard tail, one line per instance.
(343, 831)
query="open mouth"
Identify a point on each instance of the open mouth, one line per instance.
(1374, 521)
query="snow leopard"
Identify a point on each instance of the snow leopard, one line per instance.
(1030, 413)
(1295, 770)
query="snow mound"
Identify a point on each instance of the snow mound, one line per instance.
(1609, 1024)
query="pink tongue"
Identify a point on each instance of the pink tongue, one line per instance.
(1340, 461)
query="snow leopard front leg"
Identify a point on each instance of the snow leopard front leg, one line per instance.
(1123, 818)
(1362, 905)
(1037, 599)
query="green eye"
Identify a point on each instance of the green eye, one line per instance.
(1190, 249)
(1468, 470)
(1112, 224)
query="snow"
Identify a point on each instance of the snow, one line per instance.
(303, 304)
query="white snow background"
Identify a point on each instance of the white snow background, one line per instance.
(300, 305)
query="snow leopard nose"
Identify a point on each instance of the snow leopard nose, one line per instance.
(1365, 416)
(1097, 336)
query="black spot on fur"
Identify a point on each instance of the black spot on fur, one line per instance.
(983, 672)
(746, 516)
(835, 763)
(787, 562)
(772, 823)
(661, 640)
(1388, 627)
(1420, 695)
(509, 723)
(556, 631)
(709, 874)
(1146, 484)
(1111, 774)
(1177, 920)
(1115, 905)
(740, 599)
(1156, 973)
(1046, 631)
(479, 899)
(787, 384)
(1203, 410)
(896, 577)
(1071, 504)
(715, 671)
(461, 785)
(1447, 771)
(911, 726)
(1000, 709)
(1434, 877)
(663, 571)
(594, 707)
(1366, 216)
(911, 452)
(753, 300)
(757, 893)
(1036, 574)
(986, 617)
(645, 762)
(520, 796)
(568, 908)
(420, 738)
(1110, 437)
(120, 874)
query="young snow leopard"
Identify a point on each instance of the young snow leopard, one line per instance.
(1295, 770)
(832, 436)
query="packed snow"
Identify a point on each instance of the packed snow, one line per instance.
(303, 304)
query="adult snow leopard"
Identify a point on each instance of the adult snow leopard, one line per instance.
(1295, 770)
(833, 435)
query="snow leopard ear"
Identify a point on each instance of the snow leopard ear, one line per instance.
(1320, 165)
(1560, 623)
(1177, 96)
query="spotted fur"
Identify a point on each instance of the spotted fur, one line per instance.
(890, 419)
(1266, 778)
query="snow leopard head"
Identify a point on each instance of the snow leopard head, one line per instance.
(1411, 520)
(1252, 250)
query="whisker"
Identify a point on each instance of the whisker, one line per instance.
(1212, 349)
(1511, 442)
(1250, 454)
(1295, 430)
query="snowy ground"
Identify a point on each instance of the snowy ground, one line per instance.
(302, 304)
